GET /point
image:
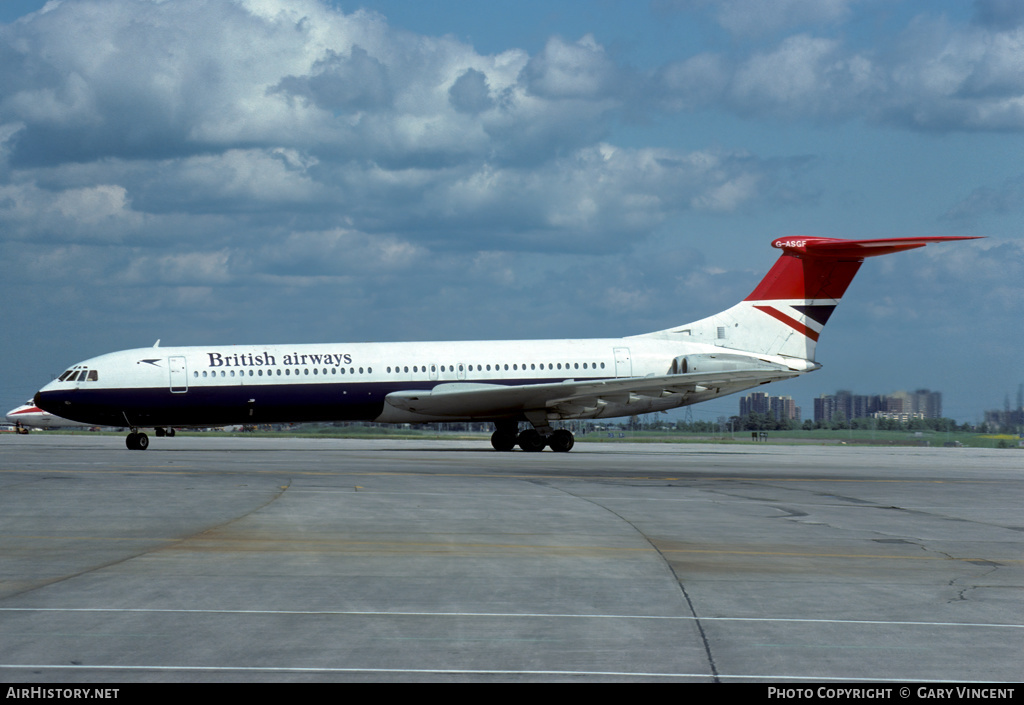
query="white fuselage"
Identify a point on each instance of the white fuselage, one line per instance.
(216, 385)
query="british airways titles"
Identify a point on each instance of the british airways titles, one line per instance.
(265, 359)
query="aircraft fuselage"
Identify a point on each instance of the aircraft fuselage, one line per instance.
(220, 385)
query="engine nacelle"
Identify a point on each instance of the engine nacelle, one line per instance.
(719, 362)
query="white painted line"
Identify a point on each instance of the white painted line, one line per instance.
(468, 672)
(534, 615)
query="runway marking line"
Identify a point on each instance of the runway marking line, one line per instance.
(290, 545)
(497, 475)
(478, 672)
(507, 615)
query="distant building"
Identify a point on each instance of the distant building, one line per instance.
(922, 403)
(779, 408)
(901, 416)
(1009, 419)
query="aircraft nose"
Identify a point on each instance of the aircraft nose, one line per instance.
(45, 401)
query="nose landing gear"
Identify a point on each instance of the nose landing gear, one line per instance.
(137, 441)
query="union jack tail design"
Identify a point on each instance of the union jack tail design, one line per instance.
(787, 311)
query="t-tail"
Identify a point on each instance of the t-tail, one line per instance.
(785, 314)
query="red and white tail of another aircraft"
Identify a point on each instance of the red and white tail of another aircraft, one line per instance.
(769, 336)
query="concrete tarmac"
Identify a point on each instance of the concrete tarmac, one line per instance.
(287, 560)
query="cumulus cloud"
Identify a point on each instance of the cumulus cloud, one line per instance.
(208, 145)
(1008, 197)
(342, 84)
(933, 75)
(470, 93)
(753, 17)
(274, 118)
(565, 70)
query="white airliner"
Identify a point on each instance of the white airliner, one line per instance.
(28, 415)
(771, 335)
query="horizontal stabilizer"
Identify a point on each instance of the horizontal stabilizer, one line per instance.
(832, 248)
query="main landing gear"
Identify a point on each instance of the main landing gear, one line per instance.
(507, 436)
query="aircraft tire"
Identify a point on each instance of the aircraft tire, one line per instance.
(561, 441)
(531, 441)
(503, 442)
(137, 441)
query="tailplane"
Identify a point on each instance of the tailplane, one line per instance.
(785, 314)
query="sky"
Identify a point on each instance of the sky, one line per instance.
(285, 171)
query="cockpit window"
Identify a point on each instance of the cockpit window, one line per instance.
(79, 374)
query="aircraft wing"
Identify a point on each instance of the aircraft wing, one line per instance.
(570, 398)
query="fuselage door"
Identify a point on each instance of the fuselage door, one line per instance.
(179, 374)
(623, 365)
